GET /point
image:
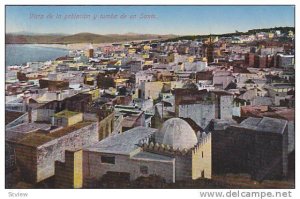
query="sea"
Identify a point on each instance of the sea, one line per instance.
(20, 54)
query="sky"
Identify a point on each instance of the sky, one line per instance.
(179, 20)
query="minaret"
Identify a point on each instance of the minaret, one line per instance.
(91, 51)
(210, 51)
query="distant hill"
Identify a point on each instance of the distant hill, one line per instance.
(14, 38)
(34, 33)
(283, 30)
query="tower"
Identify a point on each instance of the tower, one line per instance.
(91, 51)
(210, 51)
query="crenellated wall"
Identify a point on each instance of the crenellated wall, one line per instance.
(202, 159)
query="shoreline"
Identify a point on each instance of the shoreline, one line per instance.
(77, 46)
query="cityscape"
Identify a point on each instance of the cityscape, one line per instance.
(100, 97)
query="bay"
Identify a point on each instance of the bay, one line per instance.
(17, 54)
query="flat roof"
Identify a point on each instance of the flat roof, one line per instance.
(16, 133)
(38, 138)
(147, 156)
(122, 143)
(66, 114)
(265, 124)
(28, 127)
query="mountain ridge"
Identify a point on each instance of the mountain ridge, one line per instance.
(82, 37)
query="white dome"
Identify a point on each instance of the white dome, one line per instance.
(177, 133)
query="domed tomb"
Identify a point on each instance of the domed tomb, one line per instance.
(177, 133)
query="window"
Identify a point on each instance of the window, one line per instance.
(108, 159)
(144, 169)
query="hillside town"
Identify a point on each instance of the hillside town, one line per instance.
(208, 112)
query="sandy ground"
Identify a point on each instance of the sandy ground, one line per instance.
(82, 46)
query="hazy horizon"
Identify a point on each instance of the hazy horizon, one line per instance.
(128, 33)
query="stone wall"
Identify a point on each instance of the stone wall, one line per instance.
(68, 174)
(26, 160)
(291, 136)
(261, 154)
(202, 113)
(94, 169)
(10, 157)
(90, 117)
(202, 159)
(151, 89)
(41, 160)
(44, 115)
(75, 119)
(67, 121)
(106, 126)
(183, 167)
(226, 106)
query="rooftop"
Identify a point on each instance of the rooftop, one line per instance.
(146, 156)
(29, 127)
(122, 143)
(265, 124)
(10, 116)
(39, 137)
(66, 114)
(177, 133)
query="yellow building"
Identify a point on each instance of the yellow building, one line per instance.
(148, 63)
(95, 94)
(121, 82)
(147, 47)
(89, 80)
(145, 56)
(67, 118)
(191, 59)
(152, 90)
(271, 35)
(131, 50)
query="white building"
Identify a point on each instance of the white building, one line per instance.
(175, 152)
